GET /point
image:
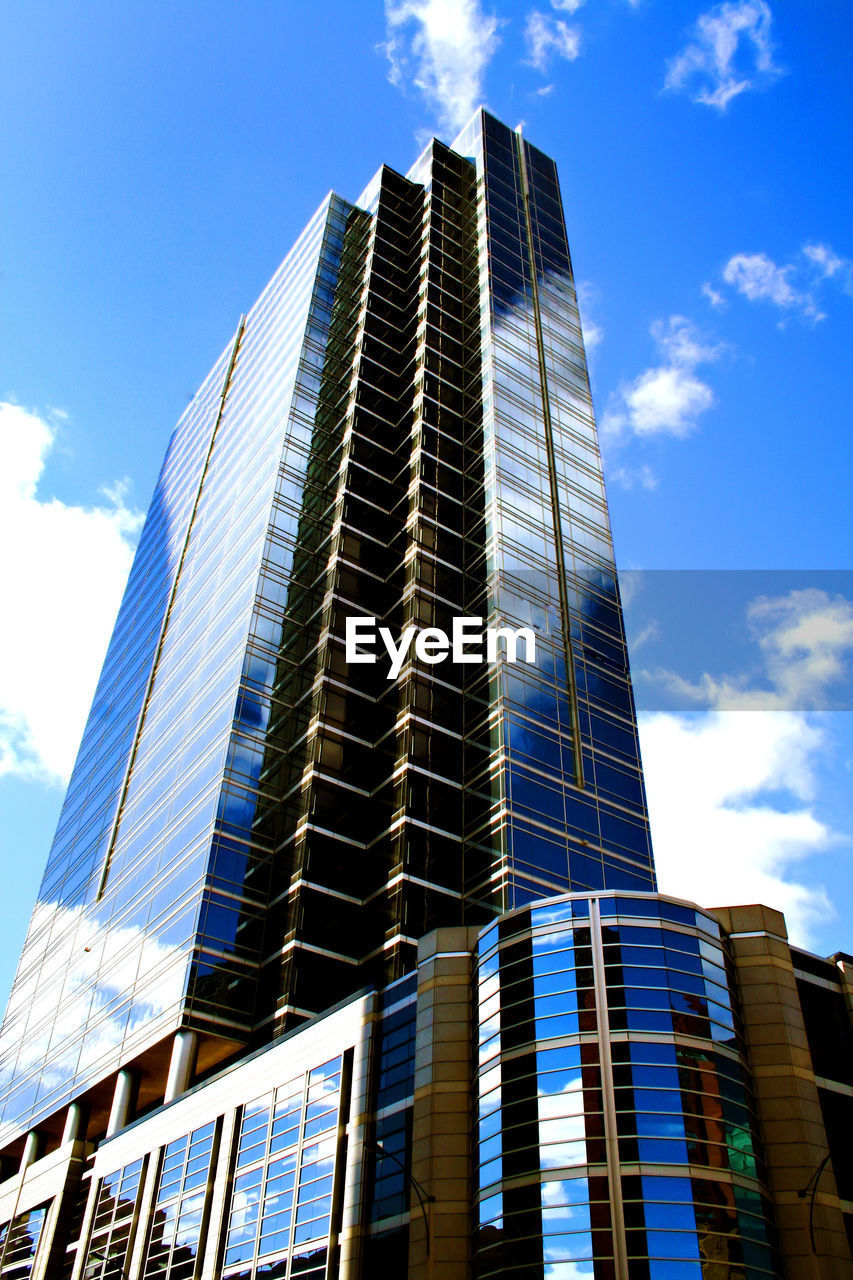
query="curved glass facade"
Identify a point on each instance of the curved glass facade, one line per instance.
(616, 1132)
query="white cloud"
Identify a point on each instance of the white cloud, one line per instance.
(681, 341)
(593, 333)
(731, 789)
(443, 47)
(668, 398)
(62, 575)
(805, 640)
(650, 631)
(713, 295)
(568, 6)
(728, 799)
(827, 265)
(630, 477)
(731, 52)
(794, 287)
(757, 276)
(546, 37)
(759, 279)
(824, 258)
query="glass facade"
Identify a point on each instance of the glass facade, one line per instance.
(183, 1186)
(391, 1151)
(401, 429)
(113, 1225)
(242, 1019)
(282, 1199)
(19, 1242)
(256, 1190)
(151, 908)
(566, 809)
(617, 1131)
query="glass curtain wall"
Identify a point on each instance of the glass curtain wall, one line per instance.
(151, 905)
(617, 1134)
(401, 429)
(567, 806)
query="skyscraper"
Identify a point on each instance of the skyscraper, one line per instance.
(277, 870)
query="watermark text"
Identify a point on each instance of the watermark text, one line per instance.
(467, 642)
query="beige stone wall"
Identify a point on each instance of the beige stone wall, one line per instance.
(51, 1180)
(440, 1238)
(786, 1095)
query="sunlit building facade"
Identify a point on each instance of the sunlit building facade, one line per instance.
(617, 1127)
(330, 972)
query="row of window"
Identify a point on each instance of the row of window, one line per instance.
(280, 1202)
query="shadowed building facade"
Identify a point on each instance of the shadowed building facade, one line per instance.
(238, 1039)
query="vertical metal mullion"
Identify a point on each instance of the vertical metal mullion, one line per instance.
(207, 1203)
(178, 1199)
(136, 1216)
(297, 1177)
(340, 1169)
(571, 684)
(125, 786)
(265, 1171)
(87, 1221)
(156, 1167)
(229, 1157)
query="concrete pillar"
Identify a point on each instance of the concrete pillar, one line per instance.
(354, 1217)
(146, 1207)
(182, 1064)
(786, 1094)
(844, 964)
(124, 1100)
(440, 1233)
(75, 1123)
(32, 1149)
(219, 1202)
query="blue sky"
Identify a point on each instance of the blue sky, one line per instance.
(160, 159)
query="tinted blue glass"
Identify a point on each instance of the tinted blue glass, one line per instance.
(659, 1054)
(662, 1151)
(671, 1189)
(561, 983)
(681, 1270)
(658, 1099)
(562, 1058)
(490, 1210)
(655, 1077)
(661, 1125)
(564, 1024)
(669, 1217)
(648, 1020)
(143, 876)
(671, 1244)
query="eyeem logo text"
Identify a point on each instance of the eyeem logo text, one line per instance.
(432, 644)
